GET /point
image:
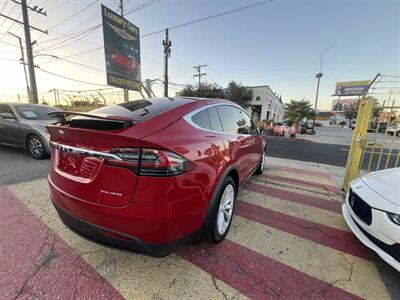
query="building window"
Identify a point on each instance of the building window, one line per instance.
(258, 98)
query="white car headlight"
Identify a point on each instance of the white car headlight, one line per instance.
(395, 218)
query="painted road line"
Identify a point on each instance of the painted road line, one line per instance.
(340, 240)
(133, 275)
(257, 276)
(36, 263)
(298, 210)
(282, 194)
(302, 183)
(348, 272)
(301, 172)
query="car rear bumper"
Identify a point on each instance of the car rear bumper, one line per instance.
(369, 240)
(152, 229)
(116, 239)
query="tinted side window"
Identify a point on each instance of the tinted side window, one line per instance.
(202, 119)
(234, 120)
(229, 118)
(247, 125)
(215, 120)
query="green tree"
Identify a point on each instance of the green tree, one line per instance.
(295, 111)
(207, 90)
(350, 112)
(238, 93)
(235, 92)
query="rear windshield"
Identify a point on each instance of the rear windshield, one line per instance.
(141, 110)
(35, 112)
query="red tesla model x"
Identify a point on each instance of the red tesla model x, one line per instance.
(149, 175)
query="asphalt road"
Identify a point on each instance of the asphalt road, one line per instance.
(330, 154)
(16, 166)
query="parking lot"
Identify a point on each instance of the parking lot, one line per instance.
(288, 240)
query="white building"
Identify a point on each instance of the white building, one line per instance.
(265, 105)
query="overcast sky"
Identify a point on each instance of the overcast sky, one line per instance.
(278, 44)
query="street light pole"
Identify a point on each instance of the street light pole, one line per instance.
(24, 64)
(319, 76)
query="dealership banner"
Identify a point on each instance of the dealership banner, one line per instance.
(352, 88)
(122, 51)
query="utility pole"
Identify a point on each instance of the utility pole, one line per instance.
(31, 65)
(199, 74)
(126, 91)
(25, 18)
(167, 53)
(24, 64)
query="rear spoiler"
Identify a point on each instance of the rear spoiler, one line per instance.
(62, 117)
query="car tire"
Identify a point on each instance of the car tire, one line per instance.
(36, 147)
(398, 133)
(223, 210)
(260, 167)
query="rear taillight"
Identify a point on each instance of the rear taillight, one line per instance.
(151, 162)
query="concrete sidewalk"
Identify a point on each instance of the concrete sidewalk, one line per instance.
(390, 276)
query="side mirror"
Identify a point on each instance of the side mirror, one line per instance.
(7, 116)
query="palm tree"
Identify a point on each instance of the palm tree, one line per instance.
(296, 111)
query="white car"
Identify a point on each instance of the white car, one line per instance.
(372, 211)
(394, 129)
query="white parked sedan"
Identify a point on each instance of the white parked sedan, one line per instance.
(372, 211)
(394, 129)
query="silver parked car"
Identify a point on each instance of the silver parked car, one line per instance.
(24, 126)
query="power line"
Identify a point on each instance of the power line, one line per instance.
(70, 34)
(82, 64)
(179, 25)
(195, 21)
(9, 59)
(72, 55)
(74, 15)
(74, 40)
(211, 17)
(12, 25)
(69, 78)
(144, 5)
(394, 76)
(50, 8)
(145, 35)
